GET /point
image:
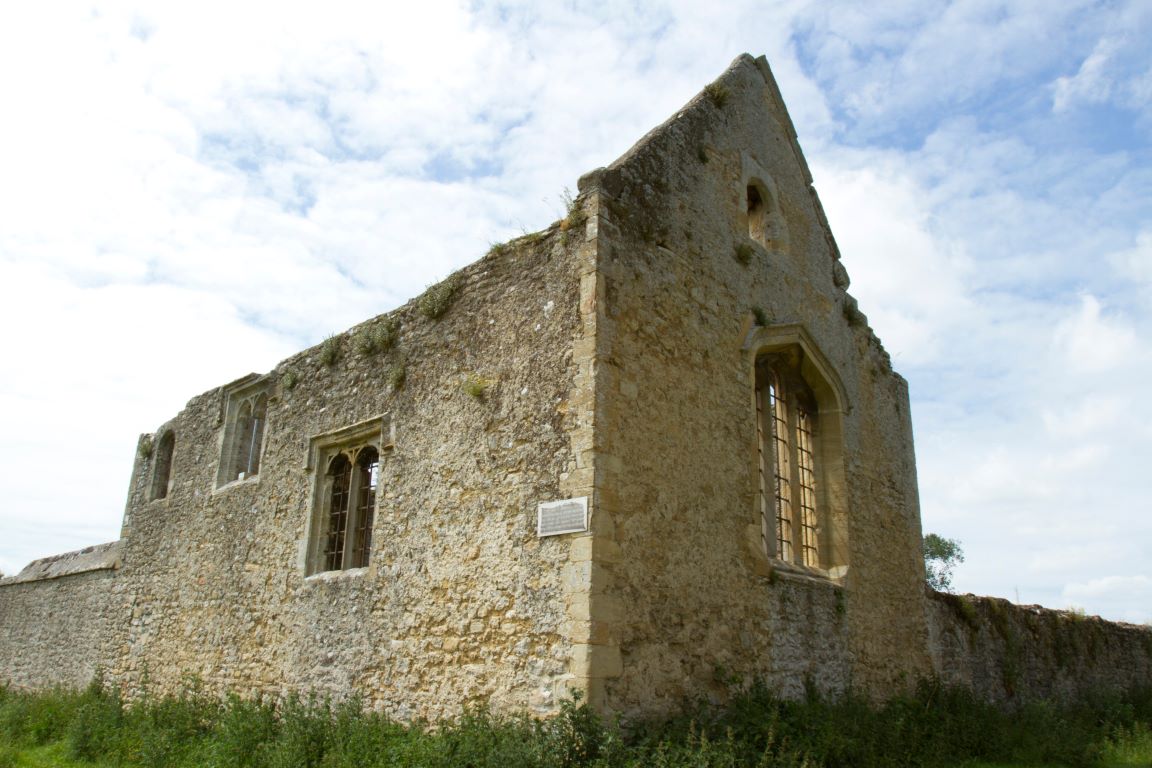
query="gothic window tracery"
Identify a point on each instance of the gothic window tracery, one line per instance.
(351, 481)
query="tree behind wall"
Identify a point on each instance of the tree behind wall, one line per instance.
(941, 556)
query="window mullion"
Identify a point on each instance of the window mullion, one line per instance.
(765, 465)
(353, 517)
(794, 479)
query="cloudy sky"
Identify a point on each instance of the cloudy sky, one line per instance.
(193, 191)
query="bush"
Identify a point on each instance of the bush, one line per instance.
(97, 729)
(435, 301)
(35, 719)
(934, 726)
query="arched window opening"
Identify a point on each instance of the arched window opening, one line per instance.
(245, 416)
(242, 438)
(368, 475)
(162, 470)
(763, 214)
(256, 441)
(339, 496)
(800, 405)
(349, 508)
(756, 208)
(792, 499)
(248, 438)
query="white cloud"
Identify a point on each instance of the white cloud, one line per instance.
(1117, 70)
(1124, 597)
(1135, 263)
(910, 279)
(1091, 84)
(1089, 342)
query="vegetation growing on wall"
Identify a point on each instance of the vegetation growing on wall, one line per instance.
(743, 253)
(377, 337)
(717, 94)
(330, 351)
(476, 386)
(435, 301)
(289, 380)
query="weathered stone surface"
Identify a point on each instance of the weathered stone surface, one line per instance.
(1023, 652)
(612, 357)
(97, 558)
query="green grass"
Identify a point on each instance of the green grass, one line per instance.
(934, 727)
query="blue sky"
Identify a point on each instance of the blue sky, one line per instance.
(194, 191)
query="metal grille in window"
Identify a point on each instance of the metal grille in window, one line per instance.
(786, 425)
(368, 473)
(340, 472)
(806, 466)
(782, 475)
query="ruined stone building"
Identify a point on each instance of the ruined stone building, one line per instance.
(648, 452)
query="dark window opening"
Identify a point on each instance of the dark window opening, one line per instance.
(248, 439)
(163, 469)
(756, 213)
(368, 471)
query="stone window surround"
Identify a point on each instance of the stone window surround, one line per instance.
(378, 432)
(160, 484)
(832, 403)
(245, 391)
(761, 215)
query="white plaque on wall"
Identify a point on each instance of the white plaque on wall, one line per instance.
(566, 516)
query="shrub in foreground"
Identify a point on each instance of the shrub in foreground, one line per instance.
(936, 726)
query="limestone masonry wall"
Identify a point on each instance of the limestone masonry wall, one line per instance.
(681, 353)
(59, 619)
(1013, 652)
(692, 600)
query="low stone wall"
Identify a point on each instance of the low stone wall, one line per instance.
(1009, 653)
(59, 619)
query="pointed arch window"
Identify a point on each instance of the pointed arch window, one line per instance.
(762, 211)
(245, 420)
(789, 490)
(249, 438)
(800, 485)
(349, 466)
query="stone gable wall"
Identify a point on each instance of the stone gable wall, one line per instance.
(690, 601)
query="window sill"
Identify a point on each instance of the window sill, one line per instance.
(347, 573)
(785, 569)
(253, 480)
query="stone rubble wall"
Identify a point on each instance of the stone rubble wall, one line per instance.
(461, 604)
(61, 619)
(1010, 653)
